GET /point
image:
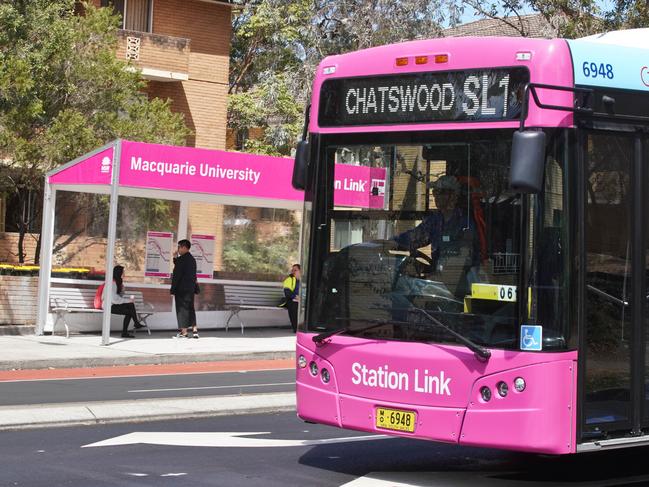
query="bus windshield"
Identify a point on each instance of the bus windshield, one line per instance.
(429, 223)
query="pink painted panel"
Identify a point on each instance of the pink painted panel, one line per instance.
(96, 169)
(206, 171)
(550, 64)
(432, 423)
(541, 418)
(440, 382)
(317, 405)
(354, 185)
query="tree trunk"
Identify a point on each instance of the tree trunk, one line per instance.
(21, 242)
(37, 250)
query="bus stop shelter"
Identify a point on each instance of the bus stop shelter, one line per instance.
(184, 174)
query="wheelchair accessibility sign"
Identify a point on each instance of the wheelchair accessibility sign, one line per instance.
(531, 337)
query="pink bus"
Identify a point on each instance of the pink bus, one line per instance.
(489, 284)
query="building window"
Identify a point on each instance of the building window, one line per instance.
(136, 15)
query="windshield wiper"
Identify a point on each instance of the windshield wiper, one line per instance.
(480, 352)
(339, 331)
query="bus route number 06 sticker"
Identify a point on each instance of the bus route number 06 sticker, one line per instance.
(493, 292)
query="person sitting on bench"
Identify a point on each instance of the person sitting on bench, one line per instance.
(121, 305)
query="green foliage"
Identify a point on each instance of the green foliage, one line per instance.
(273, 107)
(63, 92)
(247, 254)
(278, 43)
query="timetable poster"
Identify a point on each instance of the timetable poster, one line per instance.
(158, 254)
(203, 252)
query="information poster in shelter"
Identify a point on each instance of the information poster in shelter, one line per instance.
(203, 252)
(158, 254)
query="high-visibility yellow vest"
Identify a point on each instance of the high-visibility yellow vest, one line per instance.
(289, 283)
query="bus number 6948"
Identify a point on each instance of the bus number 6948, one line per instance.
(594, 70)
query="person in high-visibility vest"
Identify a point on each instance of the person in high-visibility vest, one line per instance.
(292, 294)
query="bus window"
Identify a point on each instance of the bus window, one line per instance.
(422, 226)
(434, 226)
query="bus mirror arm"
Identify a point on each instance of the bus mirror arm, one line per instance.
(528, 146)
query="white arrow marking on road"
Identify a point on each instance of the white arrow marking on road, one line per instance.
(220, 439)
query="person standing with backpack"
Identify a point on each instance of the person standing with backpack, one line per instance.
(292, 294)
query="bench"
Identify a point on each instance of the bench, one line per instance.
(239, 297)
(66, 300)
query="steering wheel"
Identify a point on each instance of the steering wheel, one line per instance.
(417, 264)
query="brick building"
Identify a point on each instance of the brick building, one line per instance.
(182, 48)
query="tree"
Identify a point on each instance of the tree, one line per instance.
(63, 92)
(277, 45)
(569, 18)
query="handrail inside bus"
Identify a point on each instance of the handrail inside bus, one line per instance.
(607, 296)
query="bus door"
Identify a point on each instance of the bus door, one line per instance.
(614, 312)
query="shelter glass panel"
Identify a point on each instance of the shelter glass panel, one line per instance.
(258, 244)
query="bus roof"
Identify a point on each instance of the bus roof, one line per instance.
(556, 62)
(617, 59)
(548, 61)
(636, 38)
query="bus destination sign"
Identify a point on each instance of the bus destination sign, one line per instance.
(476, 95)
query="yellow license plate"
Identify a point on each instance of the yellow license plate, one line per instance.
(395, 419)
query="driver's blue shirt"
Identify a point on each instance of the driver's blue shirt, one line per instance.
(447, 239)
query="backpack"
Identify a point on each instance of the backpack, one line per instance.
(99, 297)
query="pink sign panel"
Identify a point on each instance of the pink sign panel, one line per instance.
(359, 186)
(96, 169)
(206, 171)
(158, 254)
(203, 252)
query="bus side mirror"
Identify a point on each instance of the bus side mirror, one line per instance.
(301, 163)
(527, 161)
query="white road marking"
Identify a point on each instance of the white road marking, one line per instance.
(179, 474)
(462, 479)
(214, 387)
(220, 439)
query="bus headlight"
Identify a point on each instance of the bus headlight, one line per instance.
(324, 373)
(301, 361)
(314, 368)
(485, 392)
(503, 389)
(519, 384)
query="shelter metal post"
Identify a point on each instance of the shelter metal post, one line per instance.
(47, 241)
(183, 218)
(110, 244)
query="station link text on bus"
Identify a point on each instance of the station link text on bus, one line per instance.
(190, 169)
(384, 378)
(424, 97)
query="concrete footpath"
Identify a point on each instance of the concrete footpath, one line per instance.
(30, 357)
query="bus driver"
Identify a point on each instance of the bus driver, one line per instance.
(451, 233)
